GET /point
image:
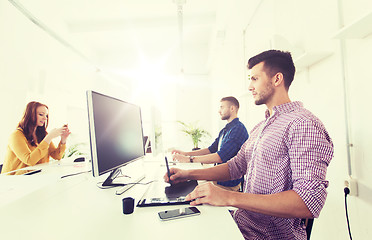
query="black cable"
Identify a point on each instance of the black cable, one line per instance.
(347, 191)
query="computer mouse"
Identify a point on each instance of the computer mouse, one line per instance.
(79, 159)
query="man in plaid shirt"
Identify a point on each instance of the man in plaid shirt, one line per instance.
(284, 161)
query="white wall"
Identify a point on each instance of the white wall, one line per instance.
(36, 67)
(360, 119)
(309, 27)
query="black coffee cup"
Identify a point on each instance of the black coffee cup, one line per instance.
(128, 205)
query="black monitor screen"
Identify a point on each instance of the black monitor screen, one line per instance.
(115, 129)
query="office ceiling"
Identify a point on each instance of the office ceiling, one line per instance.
(122, 34)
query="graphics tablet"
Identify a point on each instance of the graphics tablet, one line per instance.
(161, 193)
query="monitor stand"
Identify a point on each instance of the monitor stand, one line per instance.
(109, 180)
(108, 183)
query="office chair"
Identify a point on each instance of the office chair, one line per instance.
(242, 186)
(308, 223)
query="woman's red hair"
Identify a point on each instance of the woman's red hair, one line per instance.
(33, 133)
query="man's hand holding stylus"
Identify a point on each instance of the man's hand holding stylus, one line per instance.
(177, 175)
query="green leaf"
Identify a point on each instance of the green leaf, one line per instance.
(196, 133)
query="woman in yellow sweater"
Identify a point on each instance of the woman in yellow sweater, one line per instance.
(30, 143)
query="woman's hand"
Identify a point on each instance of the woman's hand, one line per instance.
(53, 134)
(65, 133)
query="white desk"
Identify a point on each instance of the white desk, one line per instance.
(75, 208)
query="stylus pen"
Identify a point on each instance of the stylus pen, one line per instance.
(166, 163)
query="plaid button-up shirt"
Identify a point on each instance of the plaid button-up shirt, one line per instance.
(289, 150)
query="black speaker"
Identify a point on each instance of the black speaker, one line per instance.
(128, 205)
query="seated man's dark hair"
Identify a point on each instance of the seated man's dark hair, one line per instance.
(275, 61)
(232, 100)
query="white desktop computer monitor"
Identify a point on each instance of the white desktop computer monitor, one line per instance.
(116, 135)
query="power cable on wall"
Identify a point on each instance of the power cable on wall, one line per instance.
(347, 191)
(349, 144)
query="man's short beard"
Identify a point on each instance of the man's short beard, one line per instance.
(225, 117)
(260, 101)
(265, 96)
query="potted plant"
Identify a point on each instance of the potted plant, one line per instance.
(194, 132)
(76, 149)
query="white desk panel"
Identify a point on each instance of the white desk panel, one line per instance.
(75, 208)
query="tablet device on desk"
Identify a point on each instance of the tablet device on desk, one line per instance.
(160, 193)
